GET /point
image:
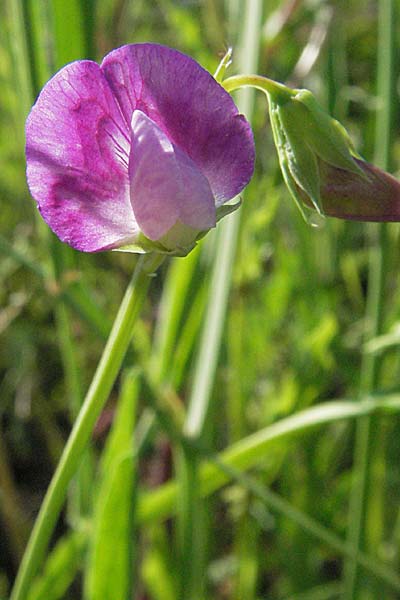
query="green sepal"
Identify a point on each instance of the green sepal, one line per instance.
(179, 240)
(307, 138)
(227, 209)
(298, 163)
(223, 65)
(325, 136)
(143, 245)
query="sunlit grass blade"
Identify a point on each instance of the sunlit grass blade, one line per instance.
(249, 552)
(69, 31)
(109, 569)
(60, 569)
(158, 572)
(20, 52)
(190, 514)
(186, 342)
(104, 378)
(251, 450)
(175, 294)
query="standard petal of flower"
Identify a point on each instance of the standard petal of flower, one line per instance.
(165, 184)
(77, 148)
(192, 109)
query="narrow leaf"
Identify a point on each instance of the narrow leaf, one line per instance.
(109, 571)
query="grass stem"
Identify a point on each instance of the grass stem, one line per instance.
(96, 397)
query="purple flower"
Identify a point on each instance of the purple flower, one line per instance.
(139, 153)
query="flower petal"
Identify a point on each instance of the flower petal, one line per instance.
(190, 107)
(347, 195)
(165, 184)
(77, 148)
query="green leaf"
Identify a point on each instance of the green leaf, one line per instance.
(60, 569)
(158, 568)
(227, 209)
(109, 571)
(69, 31)
(252, 450)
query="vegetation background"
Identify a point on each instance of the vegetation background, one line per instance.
(271, 326)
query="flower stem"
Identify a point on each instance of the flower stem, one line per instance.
(279, 92)
(96, 397)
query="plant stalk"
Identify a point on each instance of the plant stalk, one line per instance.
(192, 521)
(94, 402)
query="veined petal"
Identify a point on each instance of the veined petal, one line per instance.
(190, 107)
(165, 184)
(77, 148)
(347, 195)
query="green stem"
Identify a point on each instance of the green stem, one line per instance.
(80, 493)
(366, 431)
(94, 402)
(279, 92)
(188, 523)
(191, 514)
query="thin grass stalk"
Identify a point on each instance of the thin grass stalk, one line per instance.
(29, 30)
(308, 524)
(366, 430)
(176, 289)
(245, 530)
(81, 493)
(20, 52)
(230, 464)
(103, 380)
(39, 26)
(251, 450)
(190, 515)
(166, 339)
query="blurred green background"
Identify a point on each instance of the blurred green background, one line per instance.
(293, 334)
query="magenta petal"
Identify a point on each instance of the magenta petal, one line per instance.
(165, 184)
(77, 148)
(190, 107)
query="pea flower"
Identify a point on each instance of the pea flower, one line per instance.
(321, 167)
(140, 153)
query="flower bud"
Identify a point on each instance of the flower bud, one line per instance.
(375, 196)
(321, 168)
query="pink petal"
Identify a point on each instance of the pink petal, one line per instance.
(165, 184)
(77, 148)
(190, 107)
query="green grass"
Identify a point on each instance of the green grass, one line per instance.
(260, 458)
